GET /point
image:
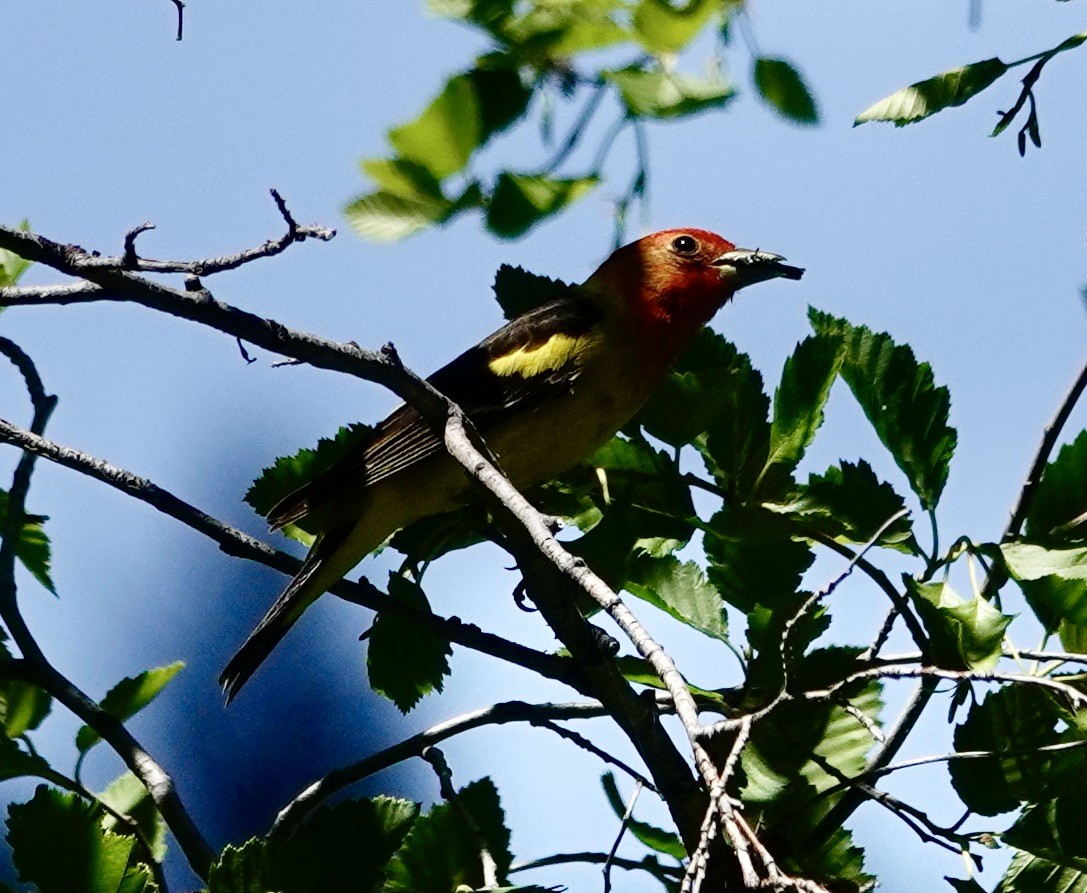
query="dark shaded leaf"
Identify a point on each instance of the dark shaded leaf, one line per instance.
(58, 844)
(1029, 874)
(128, 697)
(898, 395)
(1015, 719)
(288, 473)
(518, 291)
(17, 763)
(850, 503)
(403, 661)
(781, 85)
(1054, 830)
(23, 706)
(33, 548)
(1058, 510)
(520, 201)
(918, 101)
(441, 852)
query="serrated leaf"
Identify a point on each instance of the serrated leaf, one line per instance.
(403, 661)
(12, 266)
(127, 795)
(288, 473)
(749, 571)
(782, 87)
(58, 844)
(850, 503)
(800, 398)
(927, 97)
(662, 27)
(657, 839)
(518, 291)
(661, 94)
(128, 697)
(1058, 510)
(23, 706)
(1015, 719)
(441, 852)
(520, 201)
(680, 588)
(899, 397)
(1054, 581)
(470, 109)
(1053, 830)
(693, 393)
(964, 634)
(32, 549)
(1029, 874)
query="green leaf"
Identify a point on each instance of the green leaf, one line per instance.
(664, 28)
(736, 445)
(127, 795)
(33, 548)
(549, 31)
(431, 537)
(17, 763)
(520, 201)
(58, 844)
(782, 87)
(403, 177)
(518, 291)
(1015, 719)
(800, 397)
(288, 473)
(848, 502)
(662, 94)
(442, 852)
(639, 671)
(471, 108)
(1058, 509)
(964, 634)
(1054, 581)
(918, 101)
(655, 838)
(388, 217)
(128, 697)
(405, 662)
(12, 266)
(1053, 830)
(23, 706)
(710, 376)
(1029, 874)
(680, 589)
(753, 570)
(898, 395)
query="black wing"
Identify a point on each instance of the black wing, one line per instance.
(404, 438)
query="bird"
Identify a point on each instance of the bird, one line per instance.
(546, 390)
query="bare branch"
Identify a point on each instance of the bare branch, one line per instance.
(648, 864)
(235, 542)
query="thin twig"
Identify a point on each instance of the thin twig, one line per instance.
(235, 542)
(624, 823)
(648, 864)
(588, 746)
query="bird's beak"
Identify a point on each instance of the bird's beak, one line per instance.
(746, 267)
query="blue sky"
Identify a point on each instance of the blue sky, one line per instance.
(943, 237)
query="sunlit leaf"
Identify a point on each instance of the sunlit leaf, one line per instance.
(681, 589)
(965, 634)
(23, 706)
(1029, 874)
(1058, 509)
(12, 266)
(1054, 581)
(129, 796)
(33, 548)
(128, 697)
(661, 94)
(925, 98)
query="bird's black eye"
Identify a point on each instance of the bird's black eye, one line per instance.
(684, 245)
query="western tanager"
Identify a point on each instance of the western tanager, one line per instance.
(546, 390)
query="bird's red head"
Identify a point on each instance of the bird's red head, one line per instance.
(675, 280)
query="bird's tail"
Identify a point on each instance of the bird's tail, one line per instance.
(320, 570)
